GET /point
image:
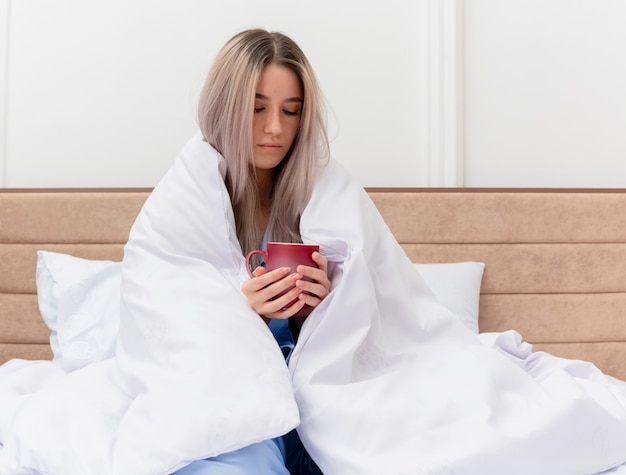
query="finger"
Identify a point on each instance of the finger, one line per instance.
(317, 289)
(310, 300)
(320, 260)
(259, 271)
(254, 287)
(318, 276)
(266, 278)
(284, 306)
(273, 290)
(312, 273)
(275, 297)
(286, 313)
(315, 272)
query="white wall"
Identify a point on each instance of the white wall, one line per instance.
(4, 50)
(103, 92)
(545, 93)
(478, 93)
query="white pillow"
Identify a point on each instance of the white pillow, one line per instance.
(79, 300)
(457, 286)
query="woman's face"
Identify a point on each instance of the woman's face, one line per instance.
(277, 110)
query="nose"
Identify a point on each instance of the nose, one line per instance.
(273, 124)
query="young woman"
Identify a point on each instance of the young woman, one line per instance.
(383, 379)
(261, 109)
(379, 363)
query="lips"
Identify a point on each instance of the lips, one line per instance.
(270, 146)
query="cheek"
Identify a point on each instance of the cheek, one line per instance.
(293, 129)
(257, 131)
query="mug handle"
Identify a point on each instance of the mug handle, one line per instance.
(249, 257)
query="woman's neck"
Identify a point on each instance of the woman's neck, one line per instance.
(264, 181)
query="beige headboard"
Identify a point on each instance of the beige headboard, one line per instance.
(86, 223)
(555, 259)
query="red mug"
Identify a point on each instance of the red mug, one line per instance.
(283, 254)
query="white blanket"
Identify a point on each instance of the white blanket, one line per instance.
(383, 380)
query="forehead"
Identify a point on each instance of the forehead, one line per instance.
(279, 83)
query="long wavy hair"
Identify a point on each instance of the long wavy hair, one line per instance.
(225, 115)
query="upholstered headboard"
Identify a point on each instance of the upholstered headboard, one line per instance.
(86, 223)
(555, 259)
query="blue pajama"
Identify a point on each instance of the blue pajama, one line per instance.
(267, 458)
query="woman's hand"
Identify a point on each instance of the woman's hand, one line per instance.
(263, 290)
(317, 287)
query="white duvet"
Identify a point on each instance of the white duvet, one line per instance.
(383, 380)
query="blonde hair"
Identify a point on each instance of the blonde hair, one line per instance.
(225, 117)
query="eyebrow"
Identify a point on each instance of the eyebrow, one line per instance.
(291, 99)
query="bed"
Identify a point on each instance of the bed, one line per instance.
(548, 264)
(555, 260)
